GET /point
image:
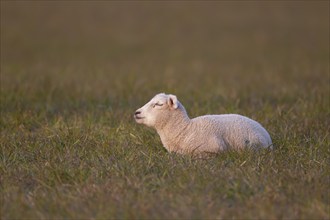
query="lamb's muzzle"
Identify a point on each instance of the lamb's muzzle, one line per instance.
(137, 116)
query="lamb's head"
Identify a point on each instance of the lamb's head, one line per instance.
(159, 110)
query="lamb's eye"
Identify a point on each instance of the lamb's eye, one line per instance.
(158, 104)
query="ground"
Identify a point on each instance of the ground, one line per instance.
(74, 72)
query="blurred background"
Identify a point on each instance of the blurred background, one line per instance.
(125, 52)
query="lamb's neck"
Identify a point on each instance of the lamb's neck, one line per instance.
(173, 133)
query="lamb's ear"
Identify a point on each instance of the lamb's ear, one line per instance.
(172, 101)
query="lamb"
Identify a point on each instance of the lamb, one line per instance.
(203, 134)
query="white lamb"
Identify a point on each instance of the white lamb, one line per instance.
(208, 133)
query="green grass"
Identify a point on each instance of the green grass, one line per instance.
(73, 73)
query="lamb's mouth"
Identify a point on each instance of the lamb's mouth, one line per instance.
(138, 117)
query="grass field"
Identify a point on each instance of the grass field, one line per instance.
(73, 73)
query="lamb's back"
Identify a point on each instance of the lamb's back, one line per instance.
(232, 130)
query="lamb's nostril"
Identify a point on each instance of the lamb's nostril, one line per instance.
(137, 112)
